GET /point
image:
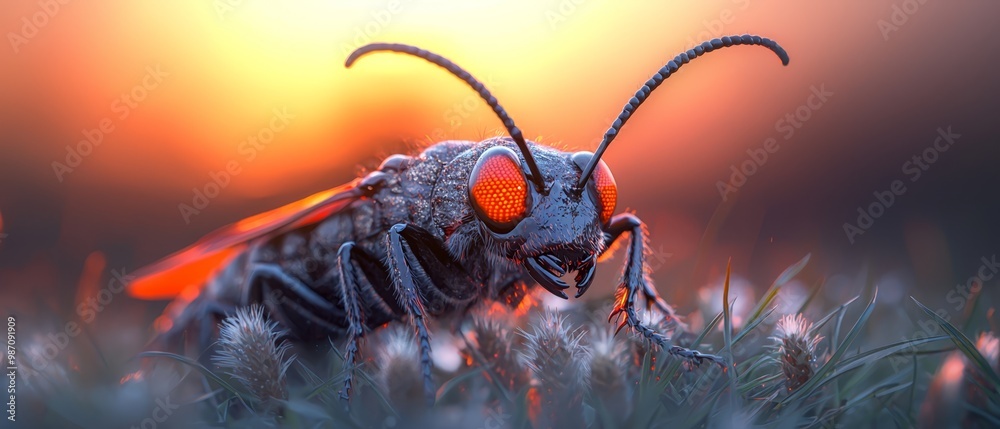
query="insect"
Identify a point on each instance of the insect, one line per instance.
(424, 236)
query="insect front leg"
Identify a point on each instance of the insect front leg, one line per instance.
(635, 280)
(415, 256)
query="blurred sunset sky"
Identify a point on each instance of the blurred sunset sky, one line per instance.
(179, 86)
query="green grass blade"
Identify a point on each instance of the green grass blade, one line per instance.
(878, 353)
(964, 344)
(675, 364)
(783, 278)
(201, 368)
(321, 388)
(752, 325)
(454, 382)
(818, 325)
(727, 333)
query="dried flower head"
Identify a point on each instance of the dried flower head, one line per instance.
(252, 352)
(608, 382)
(558, 361)
(492, 341)
(399, 372)
(796, 347)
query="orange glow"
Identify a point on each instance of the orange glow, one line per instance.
(534, 404)
(525, 306)
(132, 376)
(282, 215)
(192, 266)
(499, 189)
(89, 283)
(561, 74)
(190, 293)
(171, 281)
(952, 370)
(163, 323)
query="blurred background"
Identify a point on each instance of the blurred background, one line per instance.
(166, 97)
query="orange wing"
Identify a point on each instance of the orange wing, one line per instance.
(192, 266)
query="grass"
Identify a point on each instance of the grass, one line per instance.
(549, 369)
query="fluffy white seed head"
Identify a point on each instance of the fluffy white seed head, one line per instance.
(252, 352)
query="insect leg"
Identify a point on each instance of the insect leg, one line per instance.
(297, 306)
(406, 270)
(347, 256)
(635, 279)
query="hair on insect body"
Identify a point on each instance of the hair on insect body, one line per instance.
(423, 237)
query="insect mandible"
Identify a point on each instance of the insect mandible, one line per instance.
(423, 236)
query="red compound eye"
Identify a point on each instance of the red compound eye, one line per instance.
(607, 191)
(498, 189)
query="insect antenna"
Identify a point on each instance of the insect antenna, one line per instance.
(662, 75)
(513, 130)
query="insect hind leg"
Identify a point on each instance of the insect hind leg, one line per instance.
(292, 302)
